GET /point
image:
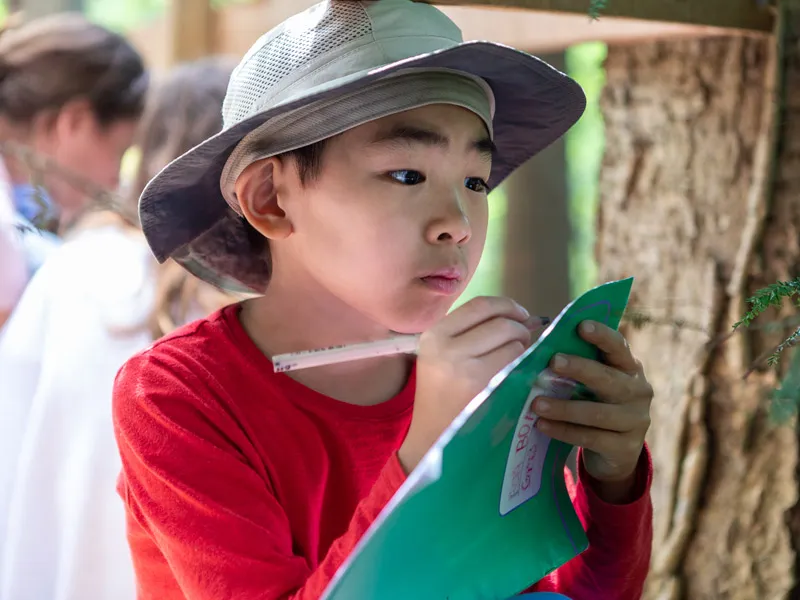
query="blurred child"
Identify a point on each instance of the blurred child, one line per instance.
(97, 299)
(71, 93)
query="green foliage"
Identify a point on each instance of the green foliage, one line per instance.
(770, 296)
(488, 278)
(596, 7)
(585, 144)
(786, 399)
(123, 15)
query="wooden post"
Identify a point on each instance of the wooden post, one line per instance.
(559, 25)
(748, 15)
(190, 30)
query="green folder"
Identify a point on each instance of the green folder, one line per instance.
(486, 513)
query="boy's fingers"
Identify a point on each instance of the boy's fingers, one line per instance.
(536, 325)
(478, 310)
(489, 336)
(610, 417)
(608, 383)
(605, 443)
(612, 344)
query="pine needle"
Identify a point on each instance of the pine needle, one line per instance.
(596, 7)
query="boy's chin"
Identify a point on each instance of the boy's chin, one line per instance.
(408, 329)
(417, 321)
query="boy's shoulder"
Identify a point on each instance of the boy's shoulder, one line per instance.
(197, 338)
(195, 350)
(201, 373)
(206, 379)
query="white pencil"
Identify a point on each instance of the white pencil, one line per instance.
(401, 344)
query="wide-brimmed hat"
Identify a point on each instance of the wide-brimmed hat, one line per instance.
(336, 65)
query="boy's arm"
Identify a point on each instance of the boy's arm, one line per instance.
(191, 484)
(620, 538)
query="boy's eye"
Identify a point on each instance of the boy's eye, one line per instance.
(476, 184)
(407, 177)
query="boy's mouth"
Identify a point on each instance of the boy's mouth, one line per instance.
(446, 282)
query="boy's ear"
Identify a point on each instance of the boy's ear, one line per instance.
(257, 191)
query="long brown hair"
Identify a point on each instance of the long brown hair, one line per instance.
(183, 110)
(47, 62)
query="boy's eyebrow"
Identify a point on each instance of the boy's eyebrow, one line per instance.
(405, 134)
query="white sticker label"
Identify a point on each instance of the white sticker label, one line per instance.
(523, 475)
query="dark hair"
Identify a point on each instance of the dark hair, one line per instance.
(308, 160)
(181, 111)
(50, 61)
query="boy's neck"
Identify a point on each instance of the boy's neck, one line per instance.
(293, 316)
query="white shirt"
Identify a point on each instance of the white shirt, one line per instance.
(13, 268)
(78, 321)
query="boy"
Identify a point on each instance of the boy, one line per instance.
(349, 189)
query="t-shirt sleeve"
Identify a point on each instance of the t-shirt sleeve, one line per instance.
(212, 514)
(620, 541)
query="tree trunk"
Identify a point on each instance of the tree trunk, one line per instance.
(688, 208)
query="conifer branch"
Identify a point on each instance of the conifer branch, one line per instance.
(596, 7)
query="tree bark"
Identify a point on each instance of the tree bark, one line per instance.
(689, 208)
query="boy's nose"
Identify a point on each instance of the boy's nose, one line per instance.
(451, 225)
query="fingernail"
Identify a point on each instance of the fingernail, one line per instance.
(542, 406)
(542, 425)
(540, 323)
(560, 361)
(588, 326)
(537, 323)
(524, 311)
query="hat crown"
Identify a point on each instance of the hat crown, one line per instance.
(329, 41)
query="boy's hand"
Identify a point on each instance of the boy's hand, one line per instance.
(456, 359)
(610, 431)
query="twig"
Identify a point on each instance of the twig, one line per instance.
(771, 356)
(639, 319)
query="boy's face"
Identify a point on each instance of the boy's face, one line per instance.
(395, 223)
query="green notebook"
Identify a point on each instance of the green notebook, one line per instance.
(486, 513)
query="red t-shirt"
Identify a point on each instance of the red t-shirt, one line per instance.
(242, 483)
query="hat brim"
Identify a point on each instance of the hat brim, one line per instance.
(184, 215)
